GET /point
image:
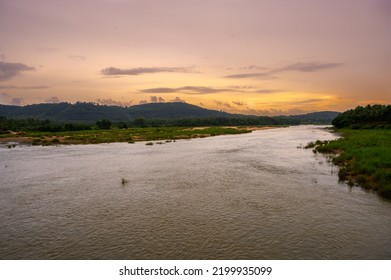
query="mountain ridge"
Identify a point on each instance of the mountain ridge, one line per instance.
(91, 112)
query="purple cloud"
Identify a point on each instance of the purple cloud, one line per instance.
(10, 70)
(112, 71)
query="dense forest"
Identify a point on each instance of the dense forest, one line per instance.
(370, 116)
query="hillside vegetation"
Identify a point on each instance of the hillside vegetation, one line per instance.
(82, 116)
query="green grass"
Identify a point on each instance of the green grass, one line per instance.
(129, 135)
(364, 158)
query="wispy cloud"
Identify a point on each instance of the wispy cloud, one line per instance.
(295, 67)
(265, 76)
(268, 91)
(187, 90)
(10, 70)
(25, 87)
(223, 104)
(77, 57)
(309, 67)
(253, 67)
(239, 103)
(113, 71)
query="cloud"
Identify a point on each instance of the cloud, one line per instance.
(187, 90)
(7, 87)
(178, 99)
(2, 57)
(111, 102)
(295, 67)
(239, 103)
(266, 76)
(26, 87)
(10, 70)
(16, 101)
(253, 67)
(272, 112)
(143, 102)
(53, 99)
(77, 57)
(224, 104)
(267, 91)
(110, 71)
(309, 67)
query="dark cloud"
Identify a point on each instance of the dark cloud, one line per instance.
(111, 102)
(110, 71)
(53, 99)
(187, 90)
(10, 70)
(16, 101)
(309, 67)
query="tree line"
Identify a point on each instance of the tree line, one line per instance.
(32, 124)
(370, 116)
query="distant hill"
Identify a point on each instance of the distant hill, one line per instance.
(90, 113)
(317, 117)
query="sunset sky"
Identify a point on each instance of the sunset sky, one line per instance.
(264, 57)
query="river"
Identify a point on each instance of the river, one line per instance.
(248, 196)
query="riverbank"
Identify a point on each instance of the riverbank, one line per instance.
(363, 156)
(129, 135)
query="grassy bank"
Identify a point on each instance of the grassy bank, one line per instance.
(364, 157)
(129, 135)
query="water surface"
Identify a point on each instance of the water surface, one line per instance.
(249, 196)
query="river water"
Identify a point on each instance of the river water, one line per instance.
(249, 196)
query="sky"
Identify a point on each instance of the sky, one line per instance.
(262, 57)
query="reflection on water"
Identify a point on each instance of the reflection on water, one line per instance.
(250, 196)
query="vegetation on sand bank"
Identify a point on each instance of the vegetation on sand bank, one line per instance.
(364, 157)
(129, 135)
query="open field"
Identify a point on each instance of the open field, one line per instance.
(364, 157)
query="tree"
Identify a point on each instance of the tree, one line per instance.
(103, 124)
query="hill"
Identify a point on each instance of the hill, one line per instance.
(323, 117)
(89, 112)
